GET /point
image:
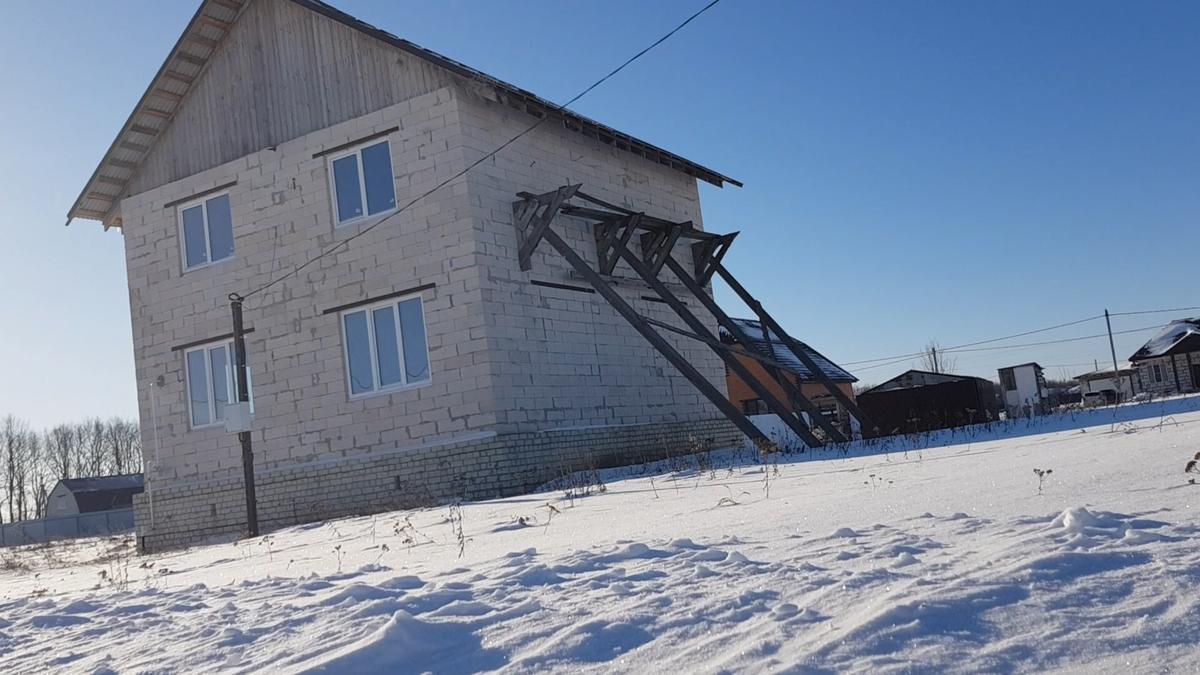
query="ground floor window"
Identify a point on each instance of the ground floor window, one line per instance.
(211, 383)
(1157, 370)
(385, 347)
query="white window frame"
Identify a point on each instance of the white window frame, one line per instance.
(202, 203)
(230, 382)
(377, 389)
(362, 182)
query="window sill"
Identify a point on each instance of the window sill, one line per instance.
(215, 263)
(213, 425)
(363, 221)
(391, 390)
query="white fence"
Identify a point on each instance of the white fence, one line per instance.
(66, 527)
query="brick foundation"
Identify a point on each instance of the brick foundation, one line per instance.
(481, 467)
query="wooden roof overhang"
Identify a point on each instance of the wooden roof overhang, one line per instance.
(153, 113)
(212, 22)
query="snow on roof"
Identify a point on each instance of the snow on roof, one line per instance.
(1123, 367)
(770, 345)
(1170, 337)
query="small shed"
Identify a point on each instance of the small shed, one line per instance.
(919, 400)
(72, 496)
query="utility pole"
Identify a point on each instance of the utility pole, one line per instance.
(243, 397)
(1113, 349)
(933, 349)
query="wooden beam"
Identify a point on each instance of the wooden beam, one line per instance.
(769, 324)
(714, 395)
(203, 41)
(101, 197)
(646, 271)
(109, 180)
(179, 77)
(531, 229)
(191, 58)
(136, 147)
(168, 95)
(229, 4)
(220, 25)
(773, 368)
(122, 163)
(143, 130)
(165, 114)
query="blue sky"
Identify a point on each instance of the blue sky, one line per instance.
(914, 170)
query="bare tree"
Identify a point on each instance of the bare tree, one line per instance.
(61, 447)
(40, 478)
(936, 360)
(14, 435)
(124, 442)
(93, 448)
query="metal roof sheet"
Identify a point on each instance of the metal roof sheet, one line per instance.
(770, 345)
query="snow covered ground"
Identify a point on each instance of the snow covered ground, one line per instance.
(935, 554)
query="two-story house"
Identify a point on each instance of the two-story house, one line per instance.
(416, 361)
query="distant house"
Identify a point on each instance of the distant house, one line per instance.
(1170, 362)
(73, 496)
(1101, 387)
(920, 400)
(768, 344)
(1024, 390)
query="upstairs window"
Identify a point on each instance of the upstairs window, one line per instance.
(207, 231)
(362, 182)
(385, 347)
(211, 382)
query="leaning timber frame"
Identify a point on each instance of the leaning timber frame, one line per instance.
(614, 228)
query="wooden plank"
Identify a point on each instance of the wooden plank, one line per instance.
(143, 130)
(168, 95)
(188, 57)
(178, 76)
(136, 147)
(214, 22)
(203, 41)
(714, 395)
(165, 114)
(109, 180)
(122, 163)
(229, 4)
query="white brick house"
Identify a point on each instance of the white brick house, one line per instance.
(1170, 362)
(416, 363)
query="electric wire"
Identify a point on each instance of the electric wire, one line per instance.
(558, 109)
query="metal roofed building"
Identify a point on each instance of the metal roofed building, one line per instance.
(1169, 363)
(72, 496)
(768, 344)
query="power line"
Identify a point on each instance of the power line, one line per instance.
(1026, 345)
(1155, 311)
(902, 357)
(345, 242)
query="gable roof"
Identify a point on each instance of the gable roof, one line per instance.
(203, 36)
(104, 493)
(1181, 335)
(928, 378)
(770, 345)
